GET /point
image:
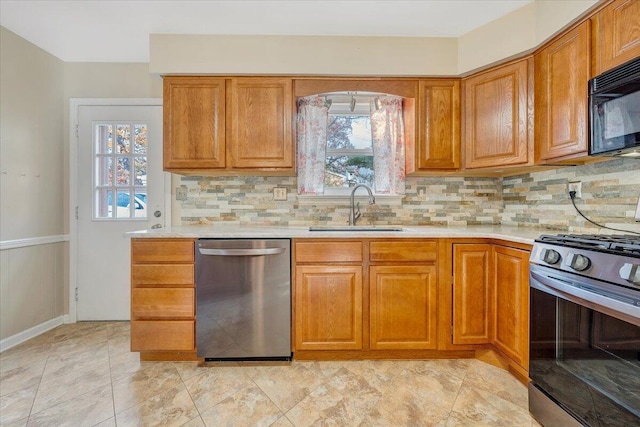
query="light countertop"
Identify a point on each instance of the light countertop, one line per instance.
(221, 230)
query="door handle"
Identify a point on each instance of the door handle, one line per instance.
(156, 226)
(241, 252)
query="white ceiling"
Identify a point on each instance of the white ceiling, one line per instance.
(118, 31)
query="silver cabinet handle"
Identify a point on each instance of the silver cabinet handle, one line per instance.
(241, 252)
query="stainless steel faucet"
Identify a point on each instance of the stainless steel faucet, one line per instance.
(354, 212)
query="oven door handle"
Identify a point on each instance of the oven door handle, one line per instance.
(609, 306)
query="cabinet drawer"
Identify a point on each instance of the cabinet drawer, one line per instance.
(162, 303)
(162, 274)
(162, 335)
(170, 250)
(423, 250)
(349, 251)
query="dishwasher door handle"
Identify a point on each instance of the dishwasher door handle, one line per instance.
(242, 252)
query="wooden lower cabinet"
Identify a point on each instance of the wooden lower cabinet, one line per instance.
(512, 303)
(328, 304)
(163, 299)
(367, 298)
(490, 300)
(403, 307)
(166, 335)
(473, 308)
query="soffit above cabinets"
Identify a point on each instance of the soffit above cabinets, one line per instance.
(118, 31)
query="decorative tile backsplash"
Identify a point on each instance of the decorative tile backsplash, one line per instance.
(610, 193)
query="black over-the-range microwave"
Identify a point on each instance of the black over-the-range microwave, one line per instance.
(614, 111)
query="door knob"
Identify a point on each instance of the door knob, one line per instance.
(157, 214)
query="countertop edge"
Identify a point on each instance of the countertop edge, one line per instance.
(511, 234)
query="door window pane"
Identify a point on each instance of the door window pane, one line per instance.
(140, 145)
(120, 170)
(123, 171)
(104, 135)
(124, 139)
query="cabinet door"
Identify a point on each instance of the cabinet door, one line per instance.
(403, 307)
(473, 310)
(562, 73)
(261, 135)
(328, 308)
(616, 35)
(438, 144)
(496, 117)
(194, 123)
(511, 268)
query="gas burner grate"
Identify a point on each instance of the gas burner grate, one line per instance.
(617, 243)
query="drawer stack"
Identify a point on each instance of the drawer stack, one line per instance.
(162, 297)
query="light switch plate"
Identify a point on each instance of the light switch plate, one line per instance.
(279, 193)
(638, 211)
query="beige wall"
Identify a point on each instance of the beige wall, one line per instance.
(553, 15)
(316, 55)
(31, 196)
(32, 184)
(520, 31)
(34, 154)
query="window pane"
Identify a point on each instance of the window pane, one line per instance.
(104, 204)
(348, 171)
(140, 144)
(122, 209)
(140, 204)
(104, 139)
(352, 132)
(140, 164)
(104, 170)
(124, 139)
(123, 171)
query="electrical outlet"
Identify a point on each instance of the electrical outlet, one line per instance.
(279, 193)
(577, 187)
(181, 192)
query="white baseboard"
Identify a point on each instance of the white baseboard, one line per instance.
(23, 336)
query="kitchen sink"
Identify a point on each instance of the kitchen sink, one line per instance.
(355, 228)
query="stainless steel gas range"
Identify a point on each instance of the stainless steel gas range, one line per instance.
(585, 330)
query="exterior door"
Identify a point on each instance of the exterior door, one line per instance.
(120, 189)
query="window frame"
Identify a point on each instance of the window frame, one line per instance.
(99, 158)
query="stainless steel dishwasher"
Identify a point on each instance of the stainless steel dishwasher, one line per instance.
(243, 299)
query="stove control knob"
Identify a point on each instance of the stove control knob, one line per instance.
(550, 256)
(578, 262)
(630, 273)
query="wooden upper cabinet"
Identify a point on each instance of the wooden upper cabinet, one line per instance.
(438, 141)
(194, 123)
(261, 123)
(616, 35)
(498, 113)
(561, 107)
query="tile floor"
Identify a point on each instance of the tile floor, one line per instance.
(84, 375)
